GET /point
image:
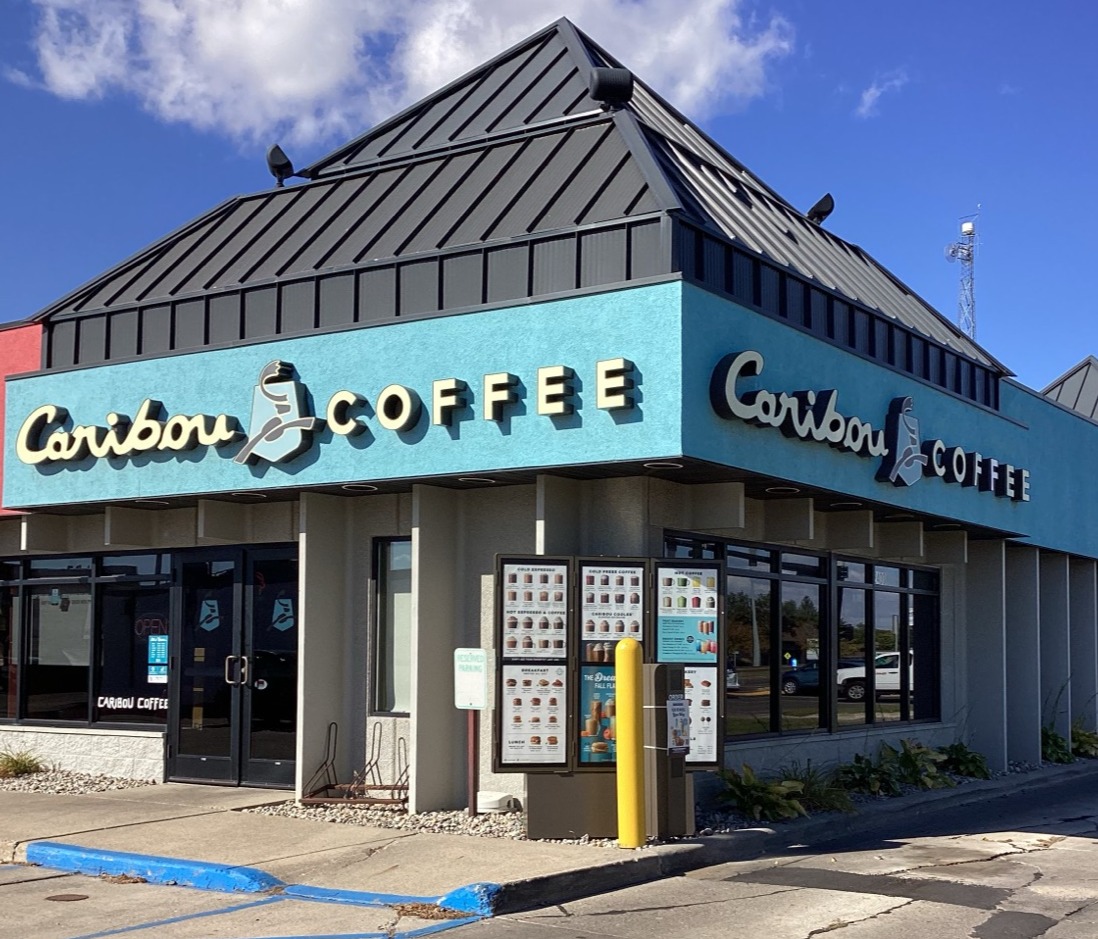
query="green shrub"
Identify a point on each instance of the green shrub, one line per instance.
(770, 800)
(1084, 742)
(916, 764)
(962, 760)
(19, 763)
(1054, 748)
(864, 774)
(821, 790)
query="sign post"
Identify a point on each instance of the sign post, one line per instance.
(471, 695)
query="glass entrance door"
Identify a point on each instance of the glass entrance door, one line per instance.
(234, 668)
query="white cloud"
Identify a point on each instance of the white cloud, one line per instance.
(890, 81)
(317, 71)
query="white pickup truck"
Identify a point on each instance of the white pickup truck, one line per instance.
(851, 681)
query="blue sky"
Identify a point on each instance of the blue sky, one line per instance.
(121, 126)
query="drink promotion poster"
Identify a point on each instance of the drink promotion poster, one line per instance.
(611, 608)
(598, 727)
(687, 617)
(535, 610)
(701, 697)
(534, 711)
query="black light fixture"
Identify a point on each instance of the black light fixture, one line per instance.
(611, 86)
(280, 165)
(821, 209)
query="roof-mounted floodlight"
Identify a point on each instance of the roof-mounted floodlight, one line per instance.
(279, 164)
(612, 86)
(821, 209)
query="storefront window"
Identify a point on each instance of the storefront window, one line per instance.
(393, 633)
(816, 641)
(131, 671)
(747, 682)
(886, 647)
(800, 651)
(58, 652)
(9, 620)
(851, 685)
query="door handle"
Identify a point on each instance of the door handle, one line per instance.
(229, 659)
(243, 670)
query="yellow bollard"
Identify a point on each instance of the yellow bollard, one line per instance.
(629, 706)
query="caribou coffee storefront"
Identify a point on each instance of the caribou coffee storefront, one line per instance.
(529, 384)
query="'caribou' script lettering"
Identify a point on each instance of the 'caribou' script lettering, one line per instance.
(809, 415)
(43, 437)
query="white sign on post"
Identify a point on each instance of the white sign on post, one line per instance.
(471, 679)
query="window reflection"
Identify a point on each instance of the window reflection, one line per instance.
(850, 676)
(747, 680)
(800, 632)
(886, 638)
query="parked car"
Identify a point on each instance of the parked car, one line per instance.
(850, 677)
(805, 679)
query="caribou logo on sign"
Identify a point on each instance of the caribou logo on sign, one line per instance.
(904, 462)
(280, 429)
(814, 415)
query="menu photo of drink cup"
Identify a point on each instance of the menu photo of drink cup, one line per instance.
(534, 610)
(686, 615)
(611, 602)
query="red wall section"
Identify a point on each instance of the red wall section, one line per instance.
(20, 351)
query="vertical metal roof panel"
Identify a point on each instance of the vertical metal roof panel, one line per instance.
(626, 193)
(295, 241)
(1087, 401)
(449, 121)
(486, 167)
(550, 182)
(587, 174)
(300, 202)
(378, 242)
(125, 285)
(237, 231)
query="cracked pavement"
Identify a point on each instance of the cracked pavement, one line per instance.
(1005, 868)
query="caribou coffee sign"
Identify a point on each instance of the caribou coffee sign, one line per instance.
(814, 415)
(281, 426)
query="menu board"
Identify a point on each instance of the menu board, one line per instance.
(535, 610)
(597, 715)
(687, 617)
(534, 709)
(611, 608)
(705, 729)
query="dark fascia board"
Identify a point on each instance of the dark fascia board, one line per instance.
(1090, 361)
(143, 255)
(412, 109)
(952, 327)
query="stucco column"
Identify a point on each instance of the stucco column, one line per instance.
(323, 635)
(985, 723)
(1055, 644)
(1084, 642)
(1023, 654)
(438, 728)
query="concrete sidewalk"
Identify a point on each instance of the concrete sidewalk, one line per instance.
(196, 835)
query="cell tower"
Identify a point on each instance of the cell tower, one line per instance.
(965, 252)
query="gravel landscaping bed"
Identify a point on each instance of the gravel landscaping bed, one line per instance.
(60, 782)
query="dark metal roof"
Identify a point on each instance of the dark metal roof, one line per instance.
(515, 147)
(1078, 388)
(560, 178)
(536, 81)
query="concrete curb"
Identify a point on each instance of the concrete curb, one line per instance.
(626, 869)
(156, 870)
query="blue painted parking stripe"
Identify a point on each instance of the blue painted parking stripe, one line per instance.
(180, 919)
(156, 870)
(351, 897)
